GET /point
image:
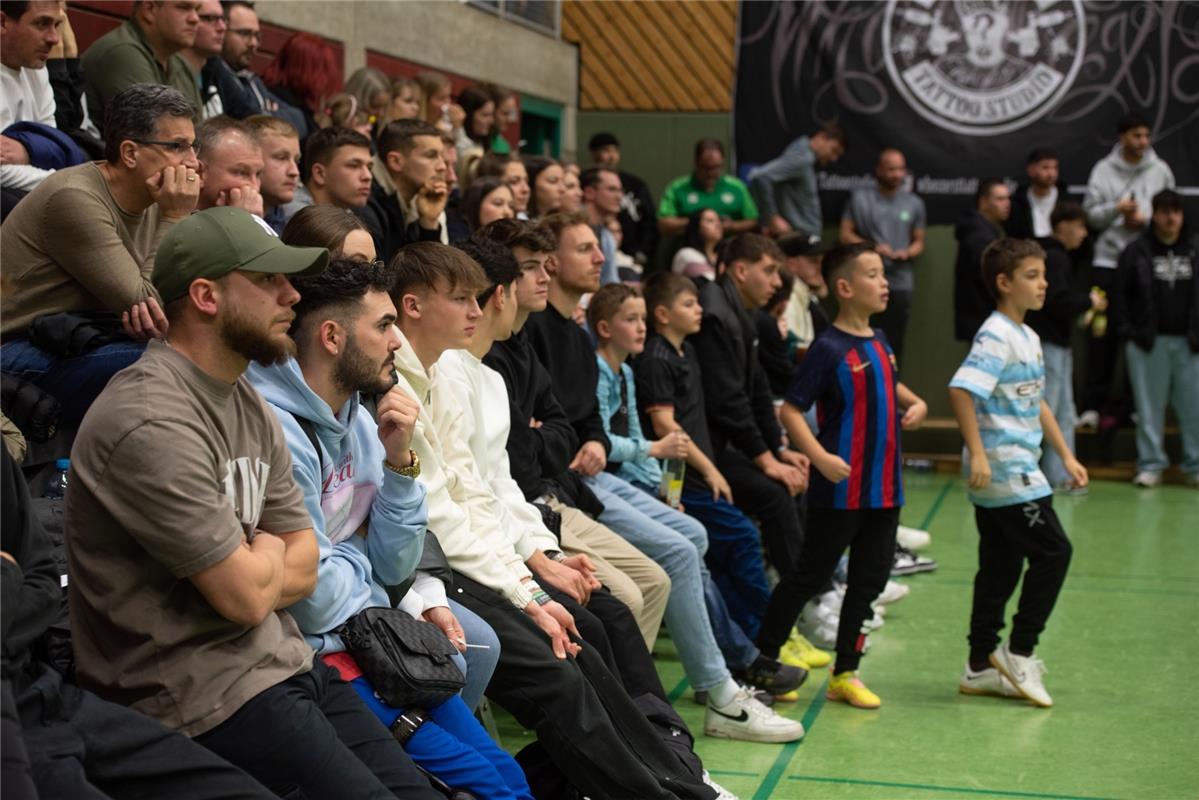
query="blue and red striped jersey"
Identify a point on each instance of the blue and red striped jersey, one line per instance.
(852, 380)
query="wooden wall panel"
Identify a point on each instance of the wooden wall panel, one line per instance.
(653, 55)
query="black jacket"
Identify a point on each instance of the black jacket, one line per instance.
(777, 364)
(1062, 304)
(1133, 302)
(568, 355)
(384, 219)
(736, 391)
(972, 303)
(217, 78)
(638, 219)
(1019, 222)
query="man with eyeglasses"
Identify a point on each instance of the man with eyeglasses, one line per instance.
(144, 49)
(242, 38)
(84, 241)
(220, 90)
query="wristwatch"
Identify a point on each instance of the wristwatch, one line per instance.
(410, 471)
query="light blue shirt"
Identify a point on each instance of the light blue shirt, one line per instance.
(632, 451)
(1005, 373)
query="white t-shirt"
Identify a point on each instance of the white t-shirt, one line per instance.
(25, 96)
(1042, 208)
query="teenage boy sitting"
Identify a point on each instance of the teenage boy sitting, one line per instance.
(857, 487)
(672, 539)
(368, 509)
(582, 717)
(997, 396)
(670, 397)
(541, 441)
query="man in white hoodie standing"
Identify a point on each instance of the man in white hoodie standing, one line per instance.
(1117, 203)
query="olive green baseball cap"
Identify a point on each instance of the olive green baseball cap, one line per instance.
(216, 241)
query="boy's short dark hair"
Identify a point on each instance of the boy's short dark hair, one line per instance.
(751, 247)
(497, 261)
(840, 261)
(1003, 256)
(399, 136)
(663, 289)
(1130, 121)
(336, 293)
(1067, 211)
(1167, 200)
(433, 266)
(834, 131)
(1039, 154)
(512, 233)
(323, 144)
(606, 302)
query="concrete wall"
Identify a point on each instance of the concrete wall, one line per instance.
(463, 39)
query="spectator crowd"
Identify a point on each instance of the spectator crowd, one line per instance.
(275, 324)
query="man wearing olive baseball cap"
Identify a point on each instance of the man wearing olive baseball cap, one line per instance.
(187, 535)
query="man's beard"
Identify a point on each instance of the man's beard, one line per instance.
(246, 337)
(355, 371)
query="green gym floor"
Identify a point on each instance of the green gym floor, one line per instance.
(1121, 650)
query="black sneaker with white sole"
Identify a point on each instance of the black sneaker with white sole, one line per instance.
(909, 563)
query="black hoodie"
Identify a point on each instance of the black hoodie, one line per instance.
(1052, 322)
(972, 303)
(1156, 292)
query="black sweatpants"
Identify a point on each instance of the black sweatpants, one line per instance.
(870, 536)
(780, 516)
(313, 735)
(609, 626)
(1007, 536)
(582, 716)
(79, 747)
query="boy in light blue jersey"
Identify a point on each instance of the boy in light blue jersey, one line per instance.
(997, 395)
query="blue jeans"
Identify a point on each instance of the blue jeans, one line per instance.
(677, 543)
(734, 558)
(453, 746)
(74, 382)
(1167, 373)
(1059, 396)
(480, 664)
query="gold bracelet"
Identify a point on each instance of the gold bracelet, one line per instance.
(410, 471)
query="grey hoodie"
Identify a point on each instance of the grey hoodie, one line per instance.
(1112, 179)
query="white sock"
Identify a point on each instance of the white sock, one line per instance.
(723, 693)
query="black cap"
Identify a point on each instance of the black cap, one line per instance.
(604, 139)
(799, 243)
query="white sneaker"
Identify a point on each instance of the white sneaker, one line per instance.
(1088, 420)
(819, 625)
(893, 592)
(913, 538)
(1025, 674)
(1147, 479)
(721, 792)
(749, 721)
(989, 681)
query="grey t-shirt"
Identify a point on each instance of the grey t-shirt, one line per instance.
(890, 220)
(171, 471)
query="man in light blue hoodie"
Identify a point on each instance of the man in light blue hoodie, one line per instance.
(1119, 192)
(359, 483)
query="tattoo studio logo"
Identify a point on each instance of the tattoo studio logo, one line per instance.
(983, 67)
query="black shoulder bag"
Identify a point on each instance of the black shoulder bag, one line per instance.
(408, 661)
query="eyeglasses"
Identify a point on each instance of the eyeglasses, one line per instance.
(246, 33)
(173, 147)
(212, 19)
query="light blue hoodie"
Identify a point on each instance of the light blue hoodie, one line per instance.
(353, 489)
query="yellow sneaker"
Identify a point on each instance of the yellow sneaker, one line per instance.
(787, 697)
(799, 652)
(846, 688)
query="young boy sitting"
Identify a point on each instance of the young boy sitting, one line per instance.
(856, 490)
(670, 397)
(998, 398)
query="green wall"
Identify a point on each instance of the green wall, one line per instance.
(658, 148)
(655, 146)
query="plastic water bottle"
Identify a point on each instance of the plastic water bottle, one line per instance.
(671, 487)
(56, 487)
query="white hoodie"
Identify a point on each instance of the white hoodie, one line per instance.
(1113, 179)
(474, 543)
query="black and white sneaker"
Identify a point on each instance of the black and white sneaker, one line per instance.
(909, 563)
(749, 721)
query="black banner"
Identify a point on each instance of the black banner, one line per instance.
(966, 88)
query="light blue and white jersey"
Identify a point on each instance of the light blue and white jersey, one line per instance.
(1005, 372)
